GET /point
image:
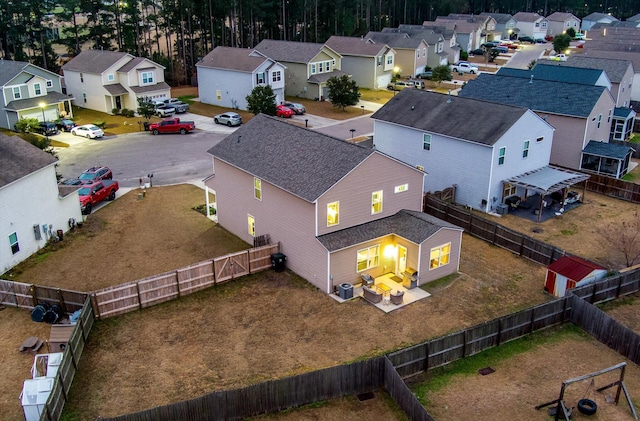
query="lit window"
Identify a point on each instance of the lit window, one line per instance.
(218, 94)
(525, 150)
(368, 258)
(13, 242)
(110, 77)
(49, 84)
(333, 213)
(16, 92)
(501, 155)
(509, 190)
(426, 142)
(376, 202)
(260, 78)
(147, 78)
(401, 188)
(440, 256)
(257, 188)
(276, 76)
(37, 89)
(251, 224)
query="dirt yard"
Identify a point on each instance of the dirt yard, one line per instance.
(256, 328)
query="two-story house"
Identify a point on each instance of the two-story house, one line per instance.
(580, 114)
(560, 22)
(505, 24)
(597, 17)
(436, 54)
(106, 80)
(531, 25)
(29, 91)
(370, 65)
(227, 75)
(309, 66)
(337, 209)
(451, 45)
(469, 34)
(411, 53)
(33, 207)
(476, 147)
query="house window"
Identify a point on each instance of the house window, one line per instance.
(418, 53)
(379, 61)
(426, 142)
(260, 78)
(509, 190)
(540, 139)
(16, 92)
(424, 52)
(599, 120)
(321, 67)
(376, 202)
(251, 225)
(333, 213)
(368, 258)
(81, 78)
(440, 256)
(333, 63)
(389, 59)
(313, 68)
(219, 95)
(501, 155)
(537, 24)
(49, 84)
(525, 150)
(13, 242)
(257, 188)
(276, 76)
(147, 78)
(609, 118)
(110, 77)
(544, 24)
(328, 64)
(37, 89)
(84, 97)
(401, 188)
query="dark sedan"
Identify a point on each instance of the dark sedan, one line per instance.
(65, 125)
(296, 107)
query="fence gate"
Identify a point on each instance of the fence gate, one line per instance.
(231, 266)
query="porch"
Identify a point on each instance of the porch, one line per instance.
(386, 285)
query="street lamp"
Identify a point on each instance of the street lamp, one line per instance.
(352, 131)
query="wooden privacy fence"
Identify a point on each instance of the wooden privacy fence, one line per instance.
(613, 187)
(69, 365)
(610, 288)
(404, 397)
(492, 232)
(167, 286)
(18, 294)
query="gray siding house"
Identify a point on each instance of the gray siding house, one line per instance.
(595, 18)
(436, 53)
(560, 22)
(411, 53)
(531, 24)
(477, 146)
(29, 91)
(337, 209)
(227, 75)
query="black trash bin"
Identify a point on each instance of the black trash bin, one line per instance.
(278, 262)
(146, 126)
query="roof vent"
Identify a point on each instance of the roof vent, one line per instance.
(413, 108)
(531, 80)
(449, 97)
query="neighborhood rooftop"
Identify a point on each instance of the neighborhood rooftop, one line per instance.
(355, 46)
(554, 72)
(10, 69)
(230, 58)
(94, 61)
(298, 160)
(19, 158)
(615, 68)
(537, 95)
(469, 119)
(289, 51)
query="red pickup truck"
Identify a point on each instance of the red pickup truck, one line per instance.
(91, 194)
(172, 125)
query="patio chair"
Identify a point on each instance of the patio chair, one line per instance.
(397, 298)
(370, 295)
(367, 280)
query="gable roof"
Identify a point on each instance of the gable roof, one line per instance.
(418, 31)
(561, 17)
(467, 119)
(634, 18)
(414, 226)
(397, 40)
(526, 17)
(9, 69)
(573, 267)
(549, 70)
(355, 46)
(569, 99)
(615, 68)
(230, 58)
(300, 161)
(19, 158)
(596, 16)
(131, 64)
(459, 25)
(499, 17)
(289, 51)
(94, 61)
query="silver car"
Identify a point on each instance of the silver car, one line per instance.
(296, 107)
(230, 119)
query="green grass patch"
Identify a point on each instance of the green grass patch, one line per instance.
(440, 377)
(571, 230)
(187, 98)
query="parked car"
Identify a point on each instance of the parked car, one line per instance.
(559, 57)
(464, 67)
(477, 52)
(501, 49)
(65, 124)
(400, 85)
(164, 110)
(172, 125)
(418, 84)
(47, 128)
(91, 194)
(90, 131)
(94, 174)
(541, 41)
(72, 182)
(230, 119)
(527, 39)
(490, 44)
(282, 111)
(425, 75)
(180, 107)
(579, 36)
(297, 108)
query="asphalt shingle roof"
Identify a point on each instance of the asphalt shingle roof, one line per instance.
(414, 226)
(549, 70)
(526, 17)
(94, 61)
(561, 17)
(230, 58)
(614, 68)
(131, 64)
(499, 17)
(298, 160)
(394, 40)
(289, 51)
(50, 98)
(606, 149)
(466, 118)
(10, 69)
(19, 158)
(570, 99)
(355, 46)
(597, 16)
(150, 88)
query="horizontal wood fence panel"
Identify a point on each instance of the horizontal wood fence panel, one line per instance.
(446, 349)
(403, 396)
(481, 337)
(195, 277)
(117, 300)
(508, 239)
(410, 361)
(69, 301)
(260, 257)
(16, 294)
(516, 325)
(629, 282)
(608, 186)
(548, 314)
(158, 289)
(55, 403)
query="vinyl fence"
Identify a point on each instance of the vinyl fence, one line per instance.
(167, 286)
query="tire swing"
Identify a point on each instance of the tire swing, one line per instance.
(585, 405)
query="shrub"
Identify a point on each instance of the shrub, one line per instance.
(115, 111)
(124, 112)
(27, 125)
(101, 123)
(129, 114)
(464, 55)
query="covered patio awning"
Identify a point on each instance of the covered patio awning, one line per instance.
(547, 179)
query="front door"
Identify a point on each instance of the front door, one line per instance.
(118, 103)
(402, 260)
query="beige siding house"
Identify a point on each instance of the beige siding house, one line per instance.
(337, 209)
(411, 53)
(309, 66)
(560, 22)
(104, 80)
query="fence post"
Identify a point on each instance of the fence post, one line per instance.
(178, 283)
(426, 358)
(63, 305)
(34, 296)
(499, 331)
(138, 292)
(95, 305)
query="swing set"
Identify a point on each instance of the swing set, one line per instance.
(585, 405)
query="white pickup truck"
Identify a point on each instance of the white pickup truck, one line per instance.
(180, 107)
(464, 67)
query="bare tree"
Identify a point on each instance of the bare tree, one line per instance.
(624, 238)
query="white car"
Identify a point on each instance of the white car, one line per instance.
(464, 67)
(90, 131)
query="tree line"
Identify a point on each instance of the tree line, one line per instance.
(176, 33)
